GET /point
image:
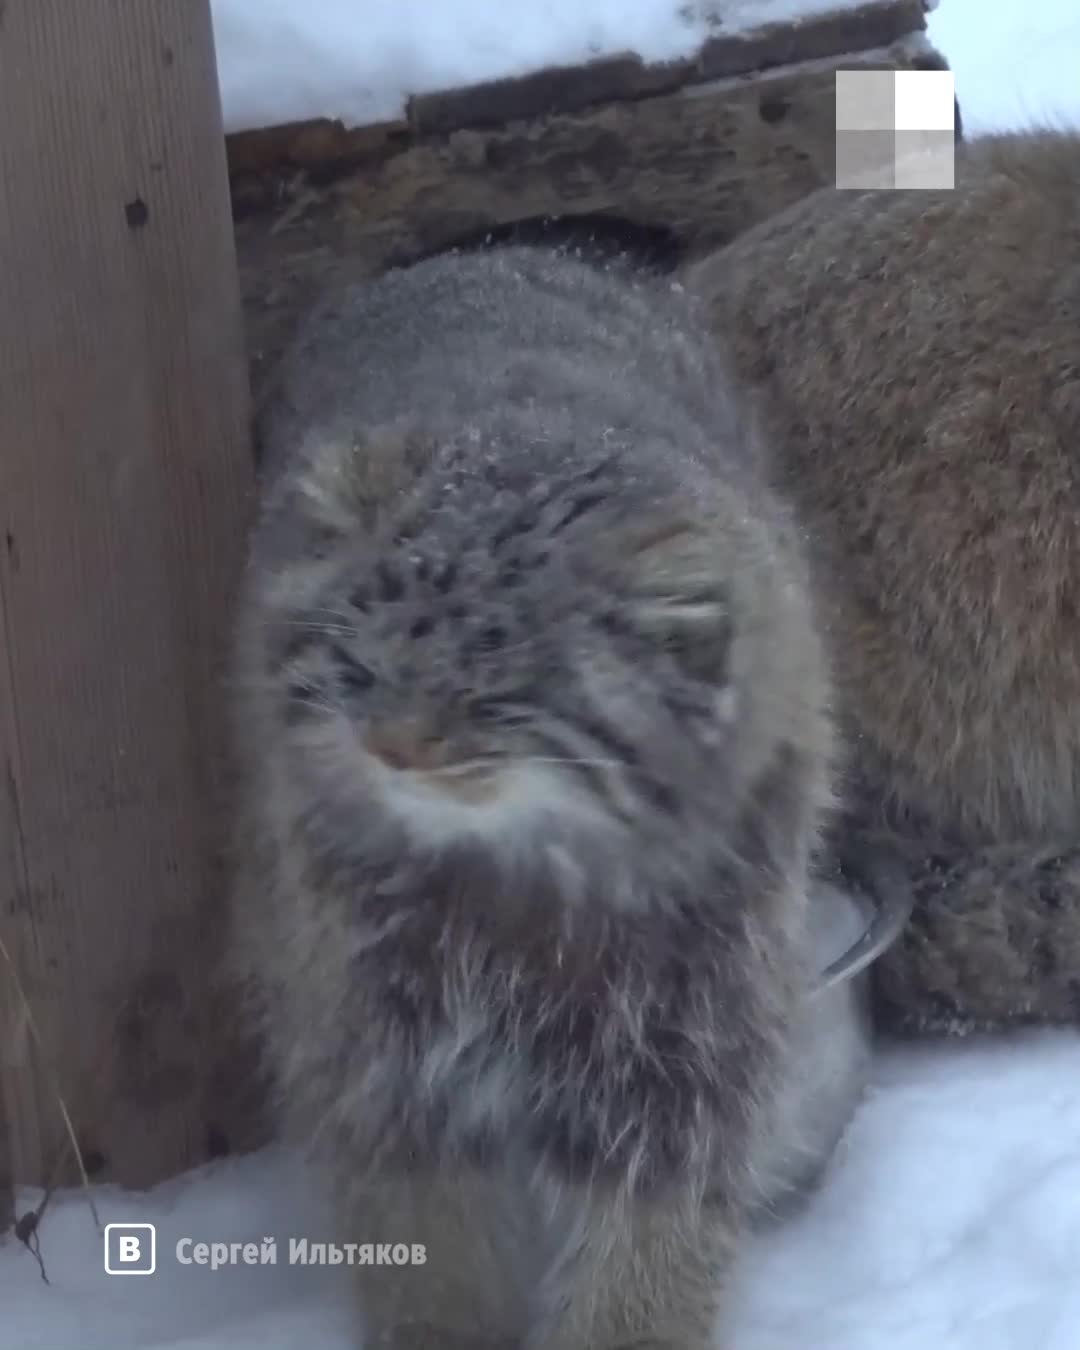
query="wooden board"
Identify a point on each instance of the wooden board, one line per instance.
(125, 470)
(702, 161)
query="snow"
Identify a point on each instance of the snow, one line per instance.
(950, 1221)
(280, 61)
(283, 61)
(1014, 63)
(181, 1307)
(951, 1216)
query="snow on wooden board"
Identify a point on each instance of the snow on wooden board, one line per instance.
(358, 61)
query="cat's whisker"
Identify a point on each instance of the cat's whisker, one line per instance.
(329, 611)
(319, 704)
(579, 761)
(458, 770)
(331, 629)
(251, 683)
(471, 765)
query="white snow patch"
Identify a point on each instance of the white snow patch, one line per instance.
(951, 1217)
(1014, 64)
(179, 1307)
(280, 61)
(950, 1221)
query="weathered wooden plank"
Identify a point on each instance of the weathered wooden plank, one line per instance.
(835, 31)
(703, 162)
(847, 28)
(829, 32)
(558, 89)
(125, 469)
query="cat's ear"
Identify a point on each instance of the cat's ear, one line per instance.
(346, 485)
(678, 598)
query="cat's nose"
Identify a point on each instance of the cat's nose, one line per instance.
(407, 743)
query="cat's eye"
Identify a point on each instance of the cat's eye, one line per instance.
(353, 676)
(701, 655)
(486, 710)
(357, 679)
(695, 632)
(690, 705)
(300, 702)
(495, 712)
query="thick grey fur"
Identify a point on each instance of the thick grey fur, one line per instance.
(512, 514)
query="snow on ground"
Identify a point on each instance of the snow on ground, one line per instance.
(951, 1218)
(358, 60)
(950, 1221)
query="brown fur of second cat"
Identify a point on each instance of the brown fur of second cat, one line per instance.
(918, 354)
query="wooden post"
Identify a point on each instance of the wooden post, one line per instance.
(125, 470)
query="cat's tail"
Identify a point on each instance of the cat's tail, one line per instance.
(993, 940)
